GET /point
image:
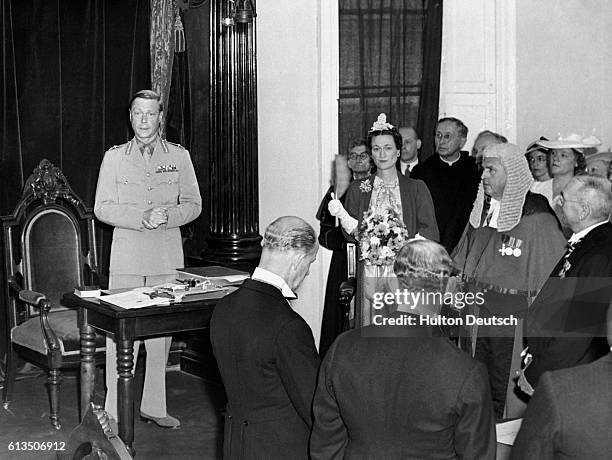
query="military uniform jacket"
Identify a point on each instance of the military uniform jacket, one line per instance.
(128, 186)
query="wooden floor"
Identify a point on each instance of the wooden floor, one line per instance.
(196, 402)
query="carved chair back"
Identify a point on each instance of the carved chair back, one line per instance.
(49, 242)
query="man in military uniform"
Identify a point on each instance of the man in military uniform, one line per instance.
(147, 189)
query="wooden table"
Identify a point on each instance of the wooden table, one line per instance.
(128, 325)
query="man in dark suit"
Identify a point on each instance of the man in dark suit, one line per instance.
(401, 397)
(409, 153)
(265, 350)
(570, 414)
(565, 324)
(452, 177)
(395, 391)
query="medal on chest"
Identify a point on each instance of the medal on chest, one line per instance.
(511, 246)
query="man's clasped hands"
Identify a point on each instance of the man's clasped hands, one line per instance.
(154, 217)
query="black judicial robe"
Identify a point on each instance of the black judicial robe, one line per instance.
(332, 238)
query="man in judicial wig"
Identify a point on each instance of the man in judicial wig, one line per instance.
(509, 246)
(265, 350)
(570, 414)
(394, 392)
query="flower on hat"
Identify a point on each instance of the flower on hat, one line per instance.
(381, 124)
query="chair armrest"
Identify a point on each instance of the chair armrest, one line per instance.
(347, 292)
(14, 285)
(31, 297)
(38, 300)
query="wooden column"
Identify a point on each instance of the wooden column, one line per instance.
(233, 238)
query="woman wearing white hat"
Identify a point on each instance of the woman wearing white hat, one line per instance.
(565, 161)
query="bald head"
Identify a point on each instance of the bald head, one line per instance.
(289, 248)
(289, 233)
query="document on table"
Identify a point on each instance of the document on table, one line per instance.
(216, 274)
(134, 298)
(507, 431)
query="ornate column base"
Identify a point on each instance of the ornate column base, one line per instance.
(240, 252)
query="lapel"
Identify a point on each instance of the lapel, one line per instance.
(404, 186)
(135, 156)
(158, 153)
(590, 243)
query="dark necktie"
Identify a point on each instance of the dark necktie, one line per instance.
(147, 151)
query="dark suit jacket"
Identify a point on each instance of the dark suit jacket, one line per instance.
(453, 190)
(565, 325)
(268, 362)
(569, 416)
(417, 205)
(401, 397)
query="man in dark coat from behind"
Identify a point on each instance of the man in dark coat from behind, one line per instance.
(570, 413)
(394, 390)
(265, 351)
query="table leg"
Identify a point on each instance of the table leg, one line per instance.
(125, 395)
(88, 366)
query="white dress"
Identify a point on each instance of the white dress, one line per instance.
(377, 278)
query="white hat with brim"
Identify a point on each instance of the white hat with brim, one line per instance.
(535, 146)
(603, 156)
(573, 141)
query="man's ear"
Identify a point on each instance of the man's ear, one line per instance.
(418, 144)
(586, 211)
(462, 143)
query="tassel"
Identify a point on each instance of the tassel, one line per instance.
(179, 32)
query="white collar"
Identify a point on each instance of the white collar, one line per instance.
(493, 212)
(408, 165)
(582, 233)
(450, 163)
(266, 276)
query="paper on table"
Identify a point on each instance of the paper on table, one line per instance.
(134, 298)
(507, 431)
(215, 274)
(233, 278)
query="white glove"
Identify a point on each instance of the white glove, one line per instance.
(336, 209)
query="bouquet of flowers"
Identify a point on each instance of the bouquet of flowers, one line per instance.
(381, 236)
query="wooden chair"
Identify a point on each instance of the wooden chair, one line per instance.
(49, 248)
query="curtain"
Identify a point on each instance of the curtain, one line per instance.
(389, 62)
(69, 70)
(162, 50)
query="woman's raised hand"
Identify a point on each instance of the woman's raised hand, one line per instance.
(337, 210)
